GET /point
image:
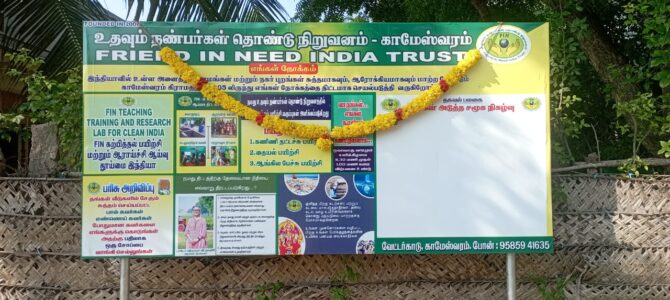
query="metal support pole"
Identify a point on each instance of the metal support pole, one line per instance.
(511, 276)
(124, 280)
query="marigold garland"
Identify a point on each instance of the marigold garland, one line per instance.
(323, 135)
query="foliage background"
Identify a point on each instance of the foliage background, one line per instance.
(610, 63)
(41, 53)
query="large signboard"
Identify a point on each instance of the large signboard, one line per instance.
(169, 173)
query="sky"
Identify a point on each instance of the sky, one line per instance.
(119, 8)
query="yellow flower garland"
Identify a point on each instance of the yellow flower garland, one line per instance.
(324, 137)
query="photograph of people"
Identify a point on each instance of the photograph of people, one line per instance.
(196, 231)
(164, 186)
(336, 187)
(195, 222)
(224, 127)
(301, 184)
(192, 156)
(332, 188)
(192, 127)
(224, 156)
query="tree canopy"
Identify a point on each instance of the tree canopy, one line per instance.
(41, 48)
(52, 30)
(610, 60)
(610, 65)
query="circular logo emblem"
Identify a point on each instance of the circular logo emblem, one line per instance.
(185, 101)
(531, 103)
(390, 104)
(504, 44)
(93, 188)
(128, 101)
(294, 205)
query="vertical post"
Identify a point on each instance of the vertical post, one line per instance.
(19, 156)
(124, 280)
(511, 276)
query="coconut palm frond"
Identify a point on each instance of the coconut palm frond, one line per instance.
(209, 10)
(50, 29)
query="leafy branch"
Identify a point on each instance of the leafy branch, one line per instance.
(269, 291)
(339, 282)
(51, 100)
(552, 289)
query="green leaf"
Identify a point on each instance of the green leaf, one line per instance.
(664, 82)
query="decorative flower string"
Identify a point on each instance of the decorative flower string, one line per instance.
(322, 134)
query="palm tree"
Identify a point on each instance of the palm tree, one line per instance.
(52, 29)
(212, 11)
